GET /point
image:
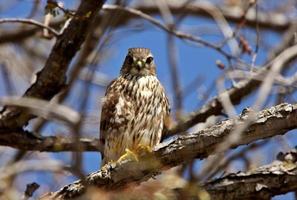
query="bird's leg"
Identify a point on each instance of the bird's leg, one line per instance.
(143, 149)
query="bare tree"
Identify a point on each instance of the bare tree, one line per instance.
(52, 78)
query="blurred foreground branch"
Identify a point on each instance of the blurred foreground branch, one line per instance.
(274, 121)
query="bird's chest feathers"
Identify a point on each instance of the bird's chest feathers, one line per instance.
(139, 96)
(146, 93)
(144, 87)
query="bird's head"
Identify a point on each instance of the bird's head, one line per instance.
(139, 62)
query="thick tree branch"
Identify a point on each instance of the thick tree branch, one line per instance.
(27, 141)
(51, 79)
(264, 182)
(276, 120)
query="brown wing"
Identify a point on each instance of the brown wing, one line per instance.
(168, 122)
(107, 112)
(116, 110)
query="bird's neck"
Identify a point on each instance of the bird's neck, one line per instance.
(129, 76)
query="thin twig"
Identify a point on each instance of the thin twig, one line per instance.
(177, 33)
(31, 22)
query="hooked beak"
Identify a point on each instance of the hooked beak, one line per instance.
(139, 64)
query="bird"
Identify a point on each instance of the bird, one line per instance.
(135, 109)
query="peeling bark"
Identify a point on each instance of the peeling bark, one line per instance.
(264, 182)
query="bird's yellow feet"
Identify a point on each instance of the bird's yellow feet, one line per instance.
(129, 155)
(134, 154)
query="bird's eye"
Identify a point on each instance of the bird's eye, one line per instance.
(129, 59)
(149, 60)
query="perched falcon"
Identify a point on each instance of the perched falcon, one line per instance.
(135, 110)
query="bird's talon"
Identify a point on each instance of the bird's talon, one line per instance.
(129, 155)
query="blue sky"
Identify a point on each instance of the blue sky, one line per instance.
(193, 61)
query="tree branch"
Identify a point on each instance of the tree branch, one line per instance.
(274, 121)
(215, 107)
(170, 30)
(264, 182)
(51, 79)
(236, 93)
(31, 22)
(273, 21)
(199, 9)
(27, 141)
